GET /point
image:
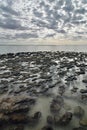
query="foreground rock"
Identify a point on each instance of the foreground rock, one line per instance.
(47, 128)
(79, 128)
(56, 104)
(14, 109)
(63, 120)
(83, 91)
(18, 127)
(32, 120)
(50, 120)
(83, 122)
(79, 111)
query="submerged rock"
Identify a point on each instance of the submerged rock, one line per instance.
(61, 90)
(56, 104)
(79, 128)
(63, 120)
(34, 119)
(84, 80)
(47, 128)
(83, 122)
(18, 118)
(3, 118)
(79, 111)
(50, 120)
(74, 90)
(83, 91)
(37, 115)
(18, 127)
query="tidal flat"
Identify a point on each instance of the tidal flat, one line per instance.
(43, 90)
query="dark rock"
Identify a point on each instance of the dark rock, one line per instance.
(78, 111)
(18, 127)
(18, 118)
(79, 128)
(56, 104)
(3, 89)
(37, 115)
(34, 119)
(3, 118)
(84, 98)
(47, 128)
(18, 104)
(84, 80)
(61, 89)
(74, 90)
(50, 120)
(71, 78)
(63, 120)
(83, 91)
(83, 122)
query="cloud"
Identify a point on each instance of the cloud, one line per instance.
(9, 23)
(8, 10)
(43, 18)
(26, 35)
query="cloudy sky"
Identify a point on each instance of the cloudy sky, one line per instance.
(28, 21)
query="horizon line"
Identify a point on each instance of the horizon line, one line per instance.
(42, 44)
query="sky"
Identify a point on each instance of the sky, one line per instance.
(43, 21)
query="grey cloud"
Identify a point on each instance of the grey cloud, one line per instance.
(81, 11)
(50, 35)
(60, 15)
(61, 31)
(26, 35)
(37, 14)
(9, 10)
(9, 23)
(79, 22)
(84, 1)
(5, 36)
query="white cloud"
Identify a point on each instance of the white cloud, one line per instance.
(27, 19)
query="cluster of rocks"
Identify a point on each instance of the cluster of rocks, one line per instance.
(39, 73)
(14, 110)
(60, 119)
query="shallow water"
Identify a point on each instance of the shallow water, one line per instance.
(71, 100)
(43, 105)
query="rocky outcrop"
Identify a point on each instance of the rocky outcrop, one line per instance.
(15, 109)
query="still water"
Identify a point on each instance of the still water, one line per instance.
(34, 48)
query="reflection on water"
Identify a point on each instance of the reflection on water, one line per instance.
(33, 48)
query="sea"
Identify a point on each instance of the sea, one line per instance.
(34, 48)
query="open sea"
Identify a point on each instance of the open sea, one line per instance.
(35, 48)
